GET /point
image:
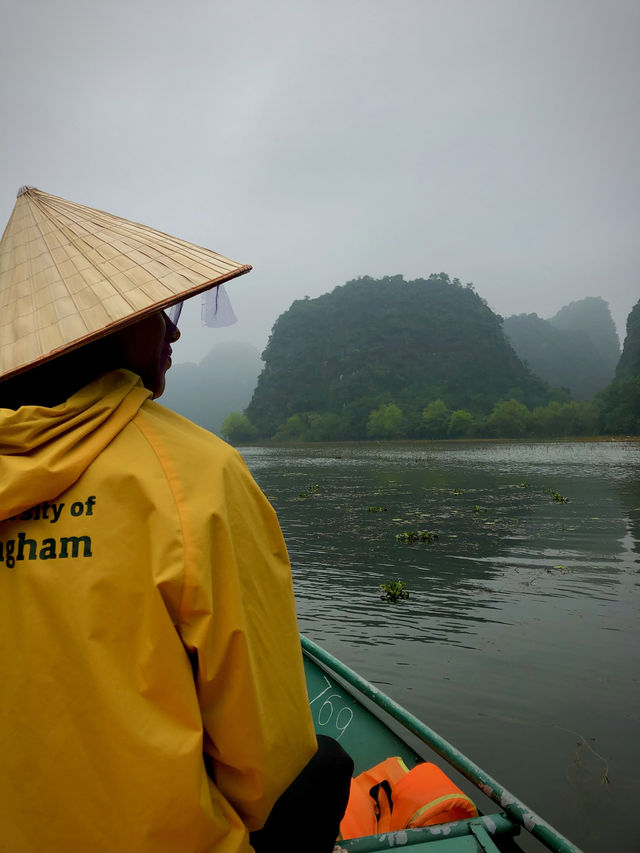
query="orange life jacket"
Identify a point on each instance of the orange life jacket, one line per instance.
(389, 797)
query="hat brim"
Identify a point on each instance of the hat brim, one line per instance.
(71, 274)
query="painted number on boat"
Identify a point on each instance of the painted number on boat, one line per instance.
(332, 710)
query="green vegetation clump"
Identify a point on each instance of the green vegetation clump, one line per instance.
(507, 419)
(558, 498)
(412, 536)
(435, 419)
(428, 536)
(387, 421)
(394, 591)
(619, 402)
(237, 429)
(377, 509)
(620, 407)
(408, 536)
(629, 364)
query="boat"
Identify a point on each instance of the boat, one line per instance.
(372, 727)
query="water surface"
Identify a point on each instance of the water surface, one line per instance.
(520, 640)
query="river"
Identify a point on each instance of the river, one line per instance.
(520, 641)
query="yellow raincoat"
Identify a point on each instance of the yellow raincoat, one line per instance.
(146, 620)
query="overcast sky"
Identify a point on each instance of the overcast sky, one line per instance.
(321, 140)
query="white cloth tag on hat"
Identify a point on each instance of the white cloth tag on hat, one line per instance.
(216, 308)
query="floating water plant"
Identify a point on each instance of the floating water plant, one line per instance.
(428, 536)
(559, 568)
(558, 498)
(458, 491)
(394, 591)
(411, 536)
(310, 490)
(377, 509)
(478, 509)
(584, 744)
(524, 485)
(407, 536)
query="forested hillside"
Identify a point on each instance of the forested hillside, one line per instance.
(389, 347)
(577, 349)
(620, 401)
(629, 364)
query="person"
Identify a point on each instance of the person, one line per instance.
(153, 695)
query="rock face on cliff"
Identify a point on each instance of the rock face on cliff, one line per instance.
(629, 364)
(379, 341)
(620, 401)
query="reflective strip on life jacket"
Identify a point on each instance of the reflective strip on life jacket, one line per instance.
(458, 807)
(426, 796)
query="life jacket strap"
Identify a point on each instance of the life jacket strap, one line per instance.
(374, 793)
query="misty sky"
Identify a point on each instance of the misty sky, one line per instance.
(320, 140)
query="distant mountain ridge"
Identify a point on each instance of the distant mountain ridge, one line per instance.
(414, 359)
(378, 341)
(577, 349)
(221, 383)
(592, 316)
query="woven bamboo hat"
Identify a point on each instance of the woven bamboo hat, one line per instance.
(70, 274)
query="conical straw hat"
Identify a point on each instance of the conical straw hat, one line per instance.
(70, 274)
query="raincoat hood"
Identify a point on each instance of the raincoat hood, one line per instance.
(43, 451)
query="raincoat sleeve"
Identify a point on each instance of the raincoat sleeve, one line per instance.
(239, 626)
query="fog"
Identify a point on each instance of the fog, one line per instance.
(323, 140)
